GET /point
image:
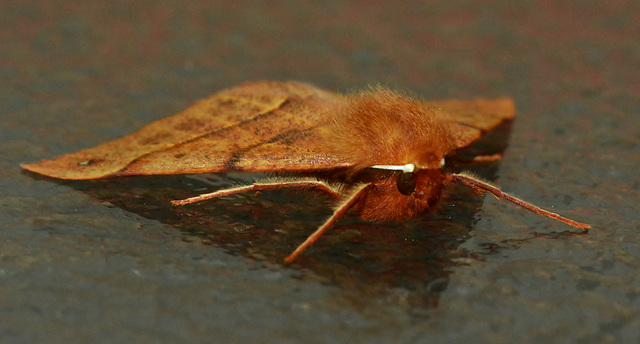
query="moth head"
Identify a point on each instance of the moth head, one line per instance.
(408, 174)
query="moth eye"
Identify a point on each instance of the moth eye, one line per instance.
(406, 183)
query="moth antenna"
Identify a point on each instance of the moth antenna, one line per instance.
(337, 214)
(480, 185)
(263, 186)
(407, 168)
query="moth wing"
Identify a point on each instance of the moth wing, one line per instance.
(262, 126)
(469, 120)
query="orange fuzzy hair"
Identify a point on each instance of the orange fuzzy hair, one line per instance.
(379, 126)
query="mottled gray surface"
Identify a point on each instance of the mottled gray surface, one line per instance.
(112, 262)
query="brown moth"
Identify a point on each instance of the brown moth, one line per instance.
(378, 152)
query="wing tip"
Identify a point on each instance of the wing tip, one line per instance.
(53, 169)
(504, 106)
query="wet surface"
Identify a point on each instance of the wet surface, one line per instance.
(112, 261)
(417, 255)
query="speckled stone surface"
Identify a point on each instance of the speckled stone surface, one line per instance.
(113, 262)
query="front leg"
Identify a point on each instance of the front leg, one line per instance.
(480, 185)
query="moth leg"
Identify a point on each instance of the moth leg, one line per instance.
(462, 162)
(480, 185)
(263, 186)
(487, 158)
(337, 214)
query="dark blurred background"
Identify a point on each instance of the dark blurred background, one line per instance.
(113, 262)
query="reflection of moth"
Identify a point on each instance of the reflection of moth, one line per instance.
(378, 152)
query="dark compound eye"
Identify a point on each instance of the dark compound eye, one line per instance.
(406, 183)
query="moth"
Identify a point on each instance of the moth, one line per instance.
(378, 152)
